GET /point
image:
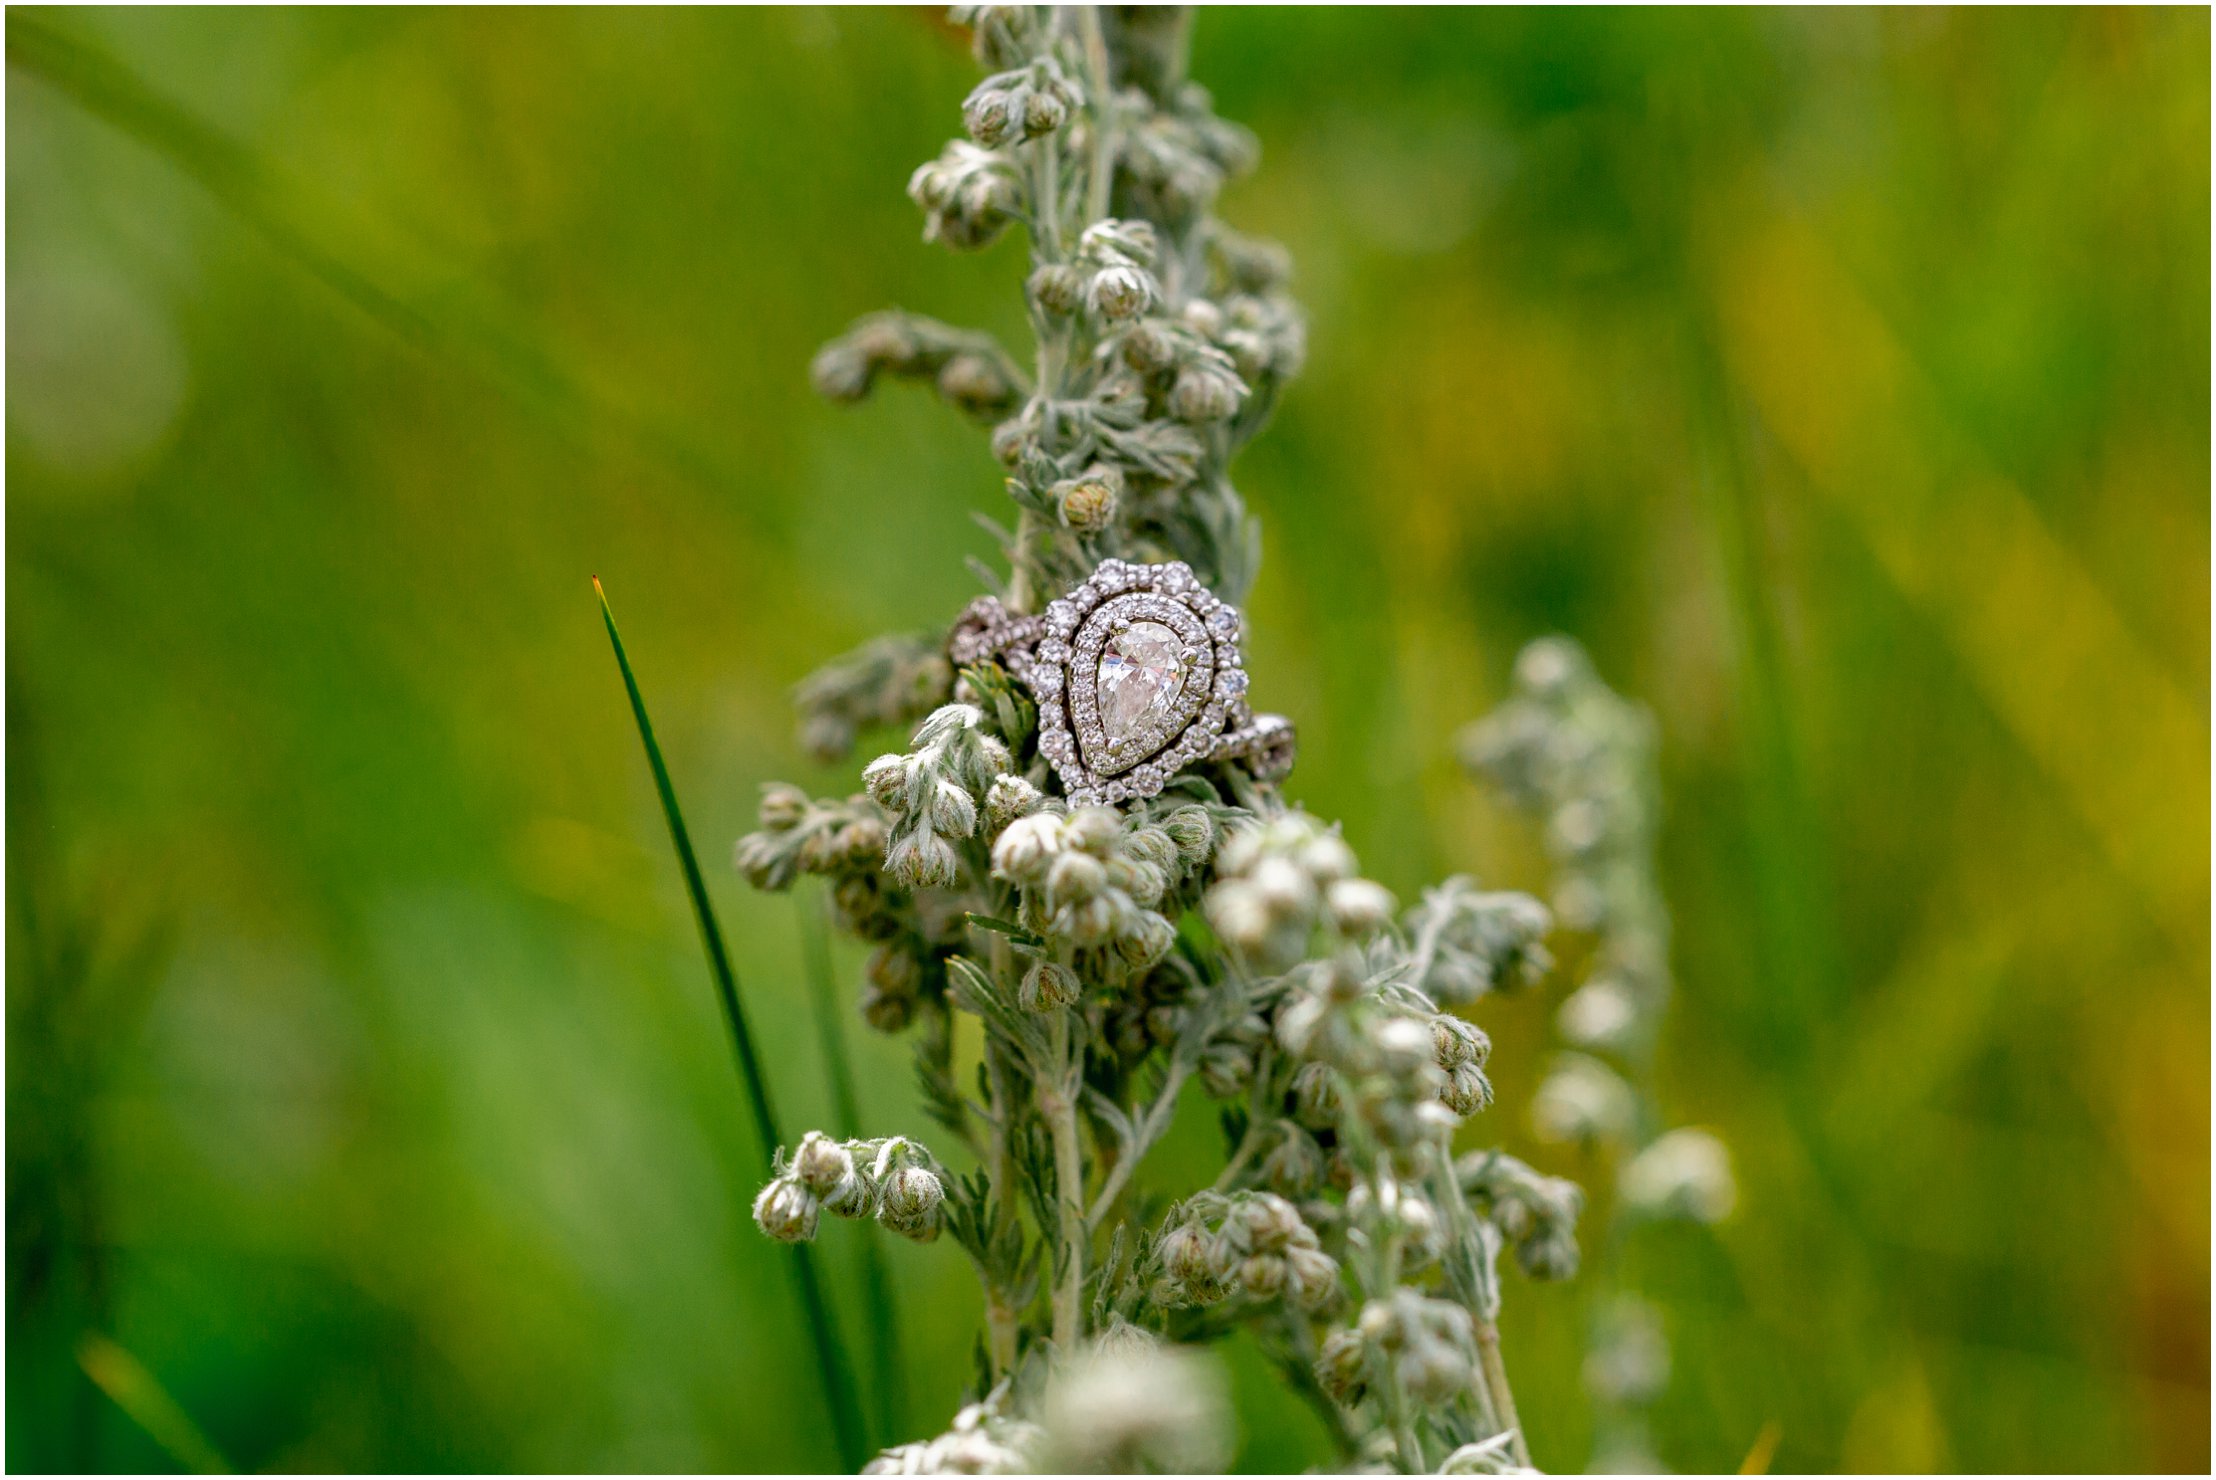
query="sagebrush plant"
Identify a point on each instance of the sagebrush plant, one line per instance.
(1095, 961)
(1582, 760)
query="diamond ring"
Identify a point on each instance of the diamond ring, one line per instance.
(1138, 675)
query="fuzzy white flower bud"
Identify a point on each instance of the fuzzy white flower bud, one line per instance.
(908, 1203)
(1466, 1090)
(1240, 914)
(1295, 1163)
(1153, 847)
(1457, 1041)
(1599, 1015)
(1261, 1275)
(1093, 829)
(1048, 985)
(1226, 1070)
(1184, 1252)
(886, 780)
(953, 811)
(1328, 858)
(1026, 846)
(1312, 1278)
(1403, 1045)
(1204, 393)
(1359, 906)
(1316, 1096)
(1008, 798)
(992, 115)
(1089, 502)
(1120, 291)
(820, 1163)
(783, 807)
(786, 1211)
(1343, 1367)
(1283, 888)
(1056, 287)
(1146, 939)
(1158, 1410)
(1195, 836)
(1583, 1100)
(1684, 1174)
(923, 860)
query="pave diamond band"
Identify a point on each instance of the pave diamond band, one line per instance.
(1137, 673)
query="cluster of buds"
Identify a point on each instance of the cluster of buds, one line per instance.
(932, 792)
(1180, 155)
(1009, 107)
(887, 681)
(1460, 1048)
(1262, 340)
(896, 979)
(1279, 882)
(1535, 1213)
(970, 371)
(1427, 1346)
(1378, 1059)
(1115, 260)
(1465, 942)
(894, 1181)
(1129, 1404)
(1250, 1243)
(983, 1440)
(1582, 760)
(1569, 750)
(1295, 1164)
(800, 835)
(968, 195)
(1392, 1209)
(1092, 881)
(1185, 361)
(1001, 36)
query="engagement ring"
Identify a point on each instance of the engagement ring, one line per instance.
(1137, 674)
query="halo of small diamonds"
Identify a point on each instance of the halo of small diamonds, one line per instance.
(1099, 762)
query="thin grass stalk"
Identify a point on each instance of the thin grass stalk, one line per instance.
(135, 1390)
(888, 1365)
(831, 1367)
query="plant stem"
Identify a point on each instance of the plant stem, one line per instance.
(1058, 1103)
(1149, 1131)
(1102, 89)
(888, 1368)
(1000, 1172)
(831, 1368)
(1497, 1389)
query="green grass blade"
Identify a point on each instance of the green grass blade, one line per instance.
(137, 1392)
(888, 1366)
(838, 1383)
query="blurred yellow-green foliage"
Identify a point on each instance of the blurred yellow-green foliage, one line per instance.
(1840, 378)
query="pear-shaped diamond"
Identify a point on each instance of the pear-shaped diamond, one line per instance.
(1142, 669)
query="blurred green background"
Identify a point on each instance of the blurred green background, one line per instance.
(1840, 378)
